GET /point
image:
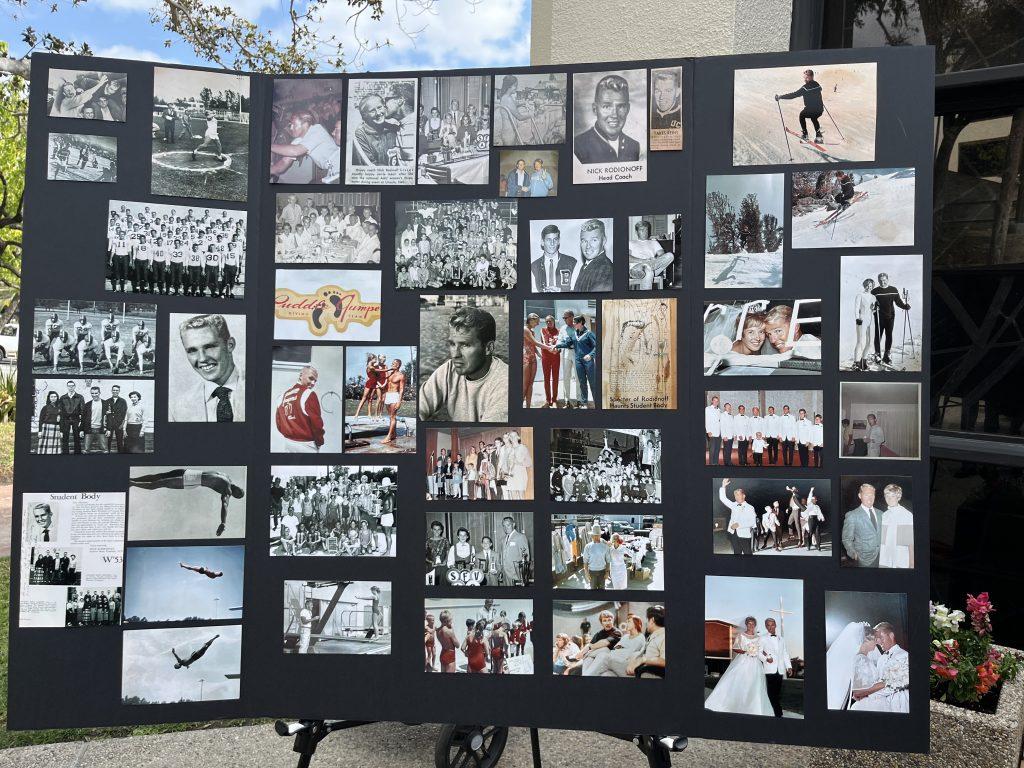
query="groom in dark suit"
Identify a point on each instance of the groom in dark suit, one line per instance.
(604, 141)
(862, 530)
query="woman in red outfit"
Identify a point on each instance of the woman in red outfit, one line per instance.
(550, 360)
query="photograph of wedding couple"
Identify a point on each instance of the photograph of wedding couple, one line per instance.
(754, 646)
(868, 667)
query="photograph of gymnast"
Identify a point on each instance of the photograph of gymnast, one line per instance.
(762, 337)
(79, 337)
(479, 549)
(184, 583)
(173, 665)
(606, 465)
(186, 503)
(380, 399)
(305, 131)
(610, 639)
(493, 636)
(347, 617)
(764, 428)
(608, 552)
(878, 526)
(337, 511)
(480, 464)
(767, 516)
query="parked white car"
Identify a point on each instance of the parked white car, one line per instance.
(9, 342)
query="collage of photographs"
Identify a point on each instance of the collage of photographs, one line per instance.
(393, 308)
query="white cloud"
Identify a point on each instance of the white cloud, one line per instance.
(250, 9)
(138, 54)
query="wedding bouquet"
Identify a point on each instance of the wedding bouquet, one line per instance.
(897, 677)
(964, 665)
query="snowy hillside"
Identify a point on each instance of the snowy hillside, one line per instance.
(884, 218)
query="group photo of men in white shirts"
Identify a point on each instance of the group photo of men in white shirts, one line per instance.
(456, 244)
(769, 516)
(175, 250)
(764, 428)
(73, 336)
(327, 228)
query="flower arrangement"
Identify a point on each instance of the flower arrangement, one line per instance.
(964, 665)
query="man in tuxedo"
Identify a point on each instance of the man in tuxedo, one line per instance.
(776, 663)
(596, 273)
(71, 405)
(604, 141)
(893, 663)
(742, 519)
(862, 528)
(553, 270)
(95, 418)
(117, 414)
(513, 555)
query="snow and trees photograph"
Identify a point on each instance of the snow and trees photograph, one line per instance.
(744, 230)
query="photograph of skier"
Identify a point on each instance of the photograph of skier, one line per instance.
(744, 230)
(861, 208)
(823, 114)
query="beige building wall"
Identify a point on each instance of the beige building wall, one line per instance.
(569, 31)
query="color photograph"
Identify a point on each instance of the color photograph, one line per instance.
(608, 552)
(180, 665)
(764, 428)
(78, 157)
(200, 134)
(878, 521)
(807, 114)
(608, 639)
(560, 352)
(211, 503)
(527, 173)
(766, 516)
(609, 125)
(606, 465)
(307, 389)
(744, 225)
(164, 585)
(479, 549)
(529, 109)
(762, 337)
(327, 305)
(350, 617)
(454, 130)
(485, 636)
(480, 464)
(380, 399)
(754, 646)
(880, 420)
(305, 131)
(639, 367)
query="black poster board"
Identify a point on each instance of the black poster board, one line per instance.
(64, 246)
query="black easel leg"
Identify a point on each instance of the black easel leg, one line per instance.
(535, 747)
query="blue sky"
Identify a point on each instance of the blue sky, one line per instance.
(450, 34)
(159, 589)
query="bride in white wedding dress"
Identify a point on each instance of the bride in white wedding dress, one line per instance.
(851, 665)
(742, 689)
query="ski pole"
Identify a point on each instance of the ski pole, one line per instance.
(834, 123)
(784, 133)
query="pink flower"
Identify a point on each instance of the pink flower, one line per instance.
(980, 607)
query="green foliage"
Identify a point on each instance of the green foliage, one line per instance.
(8, 393)
(13, 118)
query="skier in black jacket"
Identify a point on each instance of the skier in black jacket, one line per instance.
(813, 105)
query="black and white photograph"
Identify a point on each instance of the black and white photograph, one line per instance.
(640, 368)
(881, 311)
(327, 304)
(479, 549)
(608, 552)
(767, 516)
(380, 399)
(666, 109)
(609, 126)
(853, 208)
(87, 94)
(608, 639)
(380, 132)
(206, 368)
(762, 337)
(805, 114)
(484, 636)
(350, 617)
(880, 420)
(754, 646)
(181, 664)
(656, 252)
(187, 250)
(529, 109)
(327, 228)
(606, 465)
(764, 428)
(480, 464)
(464, 354)
(167, 503)
(454, 130)
(528, 173)
(307, 389)
(80, 157)
(560, 345)
(78, 337)
(333, 511)
(460, 244)
(92, 415)
(305, 131)
(744, 222)
(866, 660)
(164, 585)
(878, 521)
(200, 142)
(571, 255)
(72, 545)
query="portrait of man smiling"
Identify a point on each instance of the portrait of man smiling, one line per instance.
(207, 380)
